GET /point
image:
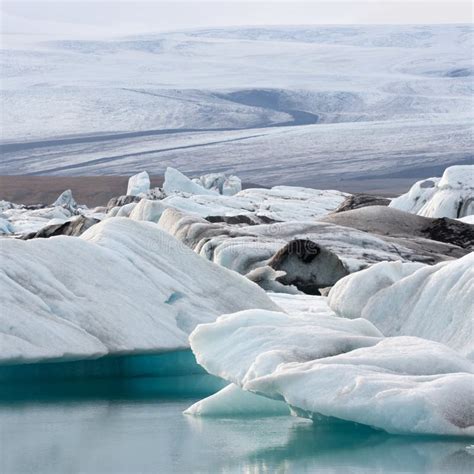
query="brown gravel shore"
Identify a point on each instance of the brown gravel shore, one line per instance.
(97, 190)
(89, 190)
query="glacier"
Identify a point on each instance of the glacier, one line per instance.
(365, 98)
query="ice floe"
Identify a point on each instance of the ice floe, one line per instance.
(23, 220)
(321, 366)
(233, 401)
(452, 195)
(138, 184)
(177, 182)
(245, 248)
(433, 302)
(122, 287)
(66, 200)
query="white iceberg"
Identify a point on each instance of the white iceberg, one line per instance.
(245, 248)
(177, 182)
(233, 401)
(23, 220)
(66, 200)
(138, 184)
(5, 226)
(232, 185)
(450, 196)
(321, 366)
(219, 195)
(220, 183)
(433, 302)
(122, 287)
(349, 295)
(147, 210)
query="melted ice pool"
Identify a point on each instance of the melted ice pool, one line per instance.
(143, 435)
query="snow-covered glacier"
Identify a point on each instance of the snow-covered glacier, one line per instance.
(389, 103)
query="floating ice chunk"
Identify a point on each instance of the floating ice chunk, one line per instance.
(147, 210)
(401, 385)
(233, 401)
(123, 211)
(308, 265)
(153, 291)
(418, 195)
(24, 220)
(451, 196)
(5, 226)
(4, 205)
(245, 248)
(251, 343)
(266, 278)
(220, 183)
(433, 302)
(232, 185)
(349, 295)
(301, 303)
(177, 182)
(138, 184)
(211, 181)
(323, 367)
(66, 200)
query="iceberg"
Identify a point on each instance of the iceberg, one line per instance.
(220, 183)
(5, 226)
(280, 203)
(452, 195)
(349, 295)
(419, 233)
(24, 220)
(246, 248)
(433, 302)
(233, 401)
(122, 287)
(324, 366)
(66, 200)
(138, 184)
(147, 210)
(417, 196)
(177, 182)
(232, 185)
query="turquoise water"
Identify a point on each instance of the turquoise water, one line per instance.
(124, 415)
(153, 436)
(175, 374)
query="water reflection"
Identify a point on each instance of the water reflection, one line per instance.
(337, 447)
(152, 435)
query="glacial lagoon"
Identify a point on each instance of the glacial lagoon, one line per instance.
(152, 435)
(135, 424)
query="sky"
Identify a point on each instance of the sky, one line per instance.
(116, 17)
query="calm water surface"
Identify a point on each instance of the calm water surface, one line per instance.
(152, 435)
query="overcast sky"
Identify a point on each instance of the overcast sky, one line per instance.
(95, 17)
